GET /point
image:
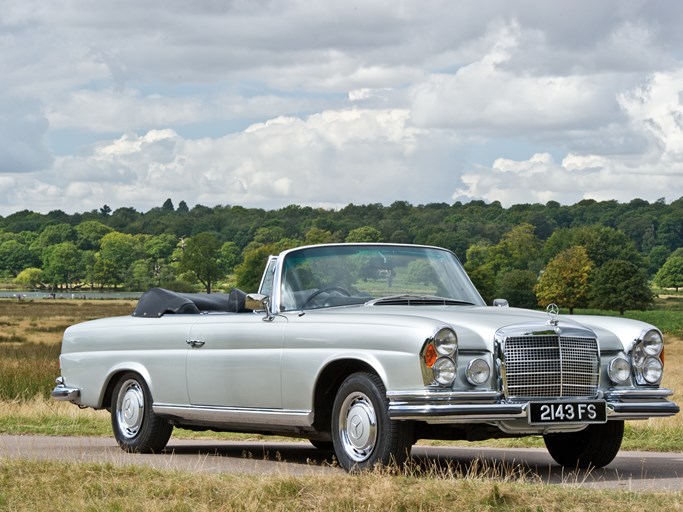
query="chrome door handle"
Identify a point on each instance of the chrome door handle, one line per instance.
(195, 343)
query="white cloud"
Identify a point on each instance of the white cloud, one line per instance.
(511, 101)
(655, 113)
(486, 97)
(331, 158)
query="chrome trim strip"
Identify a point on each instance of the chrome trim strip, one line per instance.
(641, 410)
(236, 415)
(634, 393)
(444, 413)
(425, 395)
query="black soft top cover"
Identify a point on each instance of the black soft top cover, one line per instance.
(157, 302)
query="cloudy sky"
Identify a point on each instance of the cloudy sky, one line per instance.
(265, 103)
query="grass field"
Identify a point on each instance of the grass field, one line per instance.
(30, 486)
(30, 334)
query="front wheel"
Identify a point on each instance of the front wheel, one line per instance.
(363, 435)
(595, 446)
(136, 427)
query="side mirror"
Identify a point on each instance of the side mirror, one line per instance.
(256, 302)
(501, 303)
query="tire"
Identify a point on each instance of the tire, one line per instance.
(363, 435)
(595, 446)
(136, 427)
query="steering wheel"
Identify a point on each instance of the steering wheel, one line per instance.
(324, 290)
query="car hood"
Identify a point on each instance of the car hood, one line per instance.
(476, 326)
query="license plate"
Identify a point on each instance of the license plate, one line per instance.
(585, 411)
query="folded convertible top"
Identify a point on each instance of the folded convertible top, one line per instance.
(157, 302)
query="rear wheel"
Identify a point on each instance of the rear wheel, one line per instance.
(136, 427)
(363, 435)
(595, 446)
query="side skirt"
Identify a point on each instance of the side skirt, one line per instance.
(226, 416)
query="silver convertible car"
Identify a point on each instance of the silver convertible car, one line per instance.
(364, 349)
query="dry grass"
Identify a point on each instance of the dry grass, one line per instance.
(30, 486)
(44, 321)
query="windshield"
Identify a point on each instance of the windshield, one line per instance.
(326, 276)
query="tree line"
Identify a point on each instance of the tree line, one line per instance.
(599, 253)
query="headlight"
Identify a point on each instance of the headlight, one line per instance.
(439, 358)
(444, 371)
(647, 358)
(652, 343)
(445, 342)
(478, 372)
(652, 370)
(619, 370)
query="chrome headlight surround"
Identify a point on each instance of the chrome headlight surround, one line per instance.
(647, 358)
(439, 358)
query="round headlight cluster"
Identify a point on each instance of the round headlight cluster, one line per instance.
(439, 358)
(647, 358)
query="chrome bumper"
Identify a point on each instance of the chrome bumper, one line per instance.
(64, 392)
(435, 406)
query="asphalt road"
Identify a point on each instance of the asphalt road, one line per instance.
(629, 471)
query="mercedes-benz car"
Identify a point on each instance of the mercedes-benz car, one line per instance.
(364, 349)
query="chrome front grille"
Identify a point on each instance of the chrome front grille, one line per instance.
(548, 366)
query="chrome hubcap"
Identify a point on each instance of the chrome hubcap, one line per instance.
(358, 426)
(130, 408)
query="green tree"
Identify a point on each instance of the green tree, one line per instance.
(248, 273)
(602, 244)
(520, 248)
(319, 236)
(158, 251)
(620, 285)
(15, 257)
(230, 255)
(202, 258)
(517, 286)
(565, 280)
(29, 278)
(364, 234)
(671, 273)
(656, 258)
(117, 253)
(484, 280)
(53, 235)
(63, 264)
(168, 205)
(89, 234)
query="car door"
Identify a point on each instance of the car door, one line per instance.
(234, 361)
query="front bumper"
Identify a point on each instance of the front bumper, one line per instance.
(65, 393)
(437, 406)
